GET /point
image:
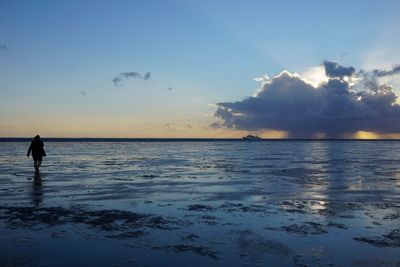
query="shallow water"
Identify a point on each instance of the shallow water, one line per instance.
(288, 203)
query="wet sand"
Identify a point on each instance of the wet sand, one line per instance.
(202, 204)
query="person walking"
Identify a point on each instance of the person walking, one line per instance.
(37, 149)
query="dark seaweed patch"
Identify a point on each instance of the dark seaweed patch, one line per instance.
(250, 243)
(127, 235)
(306, 228)
(340, 209)
(238, 207)
(200, 207)
(199, 250)
(392, 239)
(124, 224)
(337, 225)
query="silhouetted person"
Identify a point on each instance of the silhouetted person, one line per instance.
(38, 152)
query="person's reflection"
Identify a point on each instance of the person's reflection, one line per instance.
(37, 191)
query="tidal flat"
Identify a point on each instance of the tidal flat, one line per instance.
(217, 203)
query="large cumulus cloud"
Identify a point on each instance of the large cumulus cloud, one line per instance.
(288, 103)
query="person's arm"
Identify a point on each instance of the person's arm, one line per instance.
(29, 150)
(43, 151)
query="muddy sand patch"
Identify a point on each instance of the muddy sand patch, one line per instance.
(199, 250)
(392, 239)
(119, 224)
(252, 244)
(231, 207)
(306, 228)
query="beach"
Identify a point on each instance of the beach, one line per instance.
(201, 203)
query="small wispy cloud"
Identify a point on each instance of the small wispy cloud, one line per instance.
(118, 79)
(370, 78)
(168, 126)
(178, 127)
(83, 92)
(393, 71)
(132, 74)
(3, 47)
(147, 76)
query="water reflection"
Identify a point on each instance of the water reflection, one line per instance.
(37, 190)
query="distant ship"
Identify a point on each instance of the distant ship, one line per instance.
(251, 137)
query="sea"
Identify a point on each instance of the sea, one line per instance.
(201, 202)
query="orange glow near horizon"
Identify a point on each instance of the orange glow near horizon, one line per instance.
(366, 135)
(373, 135)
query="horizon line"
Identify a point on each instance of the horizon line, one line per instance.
(172, 139)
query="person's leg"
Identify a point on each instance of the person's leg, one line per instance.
(39, 163)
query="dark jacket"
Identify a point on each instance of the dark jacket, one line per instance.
(36, 148)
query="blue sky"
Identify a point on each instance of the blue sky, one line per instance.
(206, 51)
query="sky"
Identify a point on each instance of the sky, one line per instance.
(171, 68)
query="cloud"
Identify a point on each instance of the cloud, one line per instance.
(287, 102)
(178, 127)
(381, 73)
(83, 92)
(117, 80)
(3, 47)
(370, 78)
(132, 74)
(168, 126)
(334, 70)
(147, 76)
